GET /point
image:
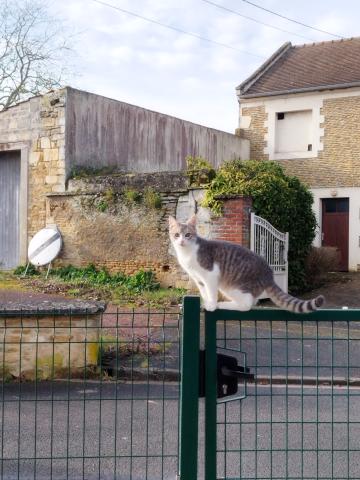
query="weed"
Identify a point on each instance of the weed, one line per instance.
(80, 171)
(110, 196)
(102, 205)
(152, 199)
(20, 270)
(132, 196)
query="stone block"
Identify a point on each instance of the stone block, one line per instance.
(45, 142)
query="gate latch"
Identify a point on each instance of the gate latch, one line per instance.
(229, 374)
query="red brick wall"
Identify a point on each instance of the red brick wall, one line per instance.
(234, 225)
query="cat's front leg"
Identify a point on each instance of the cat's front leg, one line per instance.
(212, 287)
(201, 287)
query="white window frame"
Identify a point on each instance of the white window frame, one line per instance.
(286, 105)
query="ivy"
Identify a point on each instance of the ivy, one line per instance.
(281, 199)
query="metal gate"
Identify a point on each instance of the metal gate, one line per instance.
(272, 245)
(282, 395)
(9, 209)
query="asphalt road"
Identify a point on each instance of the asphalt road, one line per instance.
(285, 432)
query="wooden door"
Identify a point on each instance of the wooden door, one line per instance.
(335, 227)
(9, 210)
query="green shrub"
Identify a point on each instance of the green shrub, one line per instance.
(282, 200)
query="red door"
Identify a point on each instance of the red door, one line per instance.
(335, 227)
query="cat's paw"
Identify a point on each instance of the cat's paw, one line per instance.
(210, 306)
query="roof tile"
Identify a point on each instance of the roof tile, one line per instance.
(309, 66)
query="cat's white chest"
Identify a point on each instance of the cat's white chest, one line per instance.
(189, 262)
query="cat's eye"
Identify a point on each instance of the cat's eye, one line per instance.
(177, 235)
(187, 235)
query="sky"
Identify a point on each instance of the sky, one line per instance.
(131, 60)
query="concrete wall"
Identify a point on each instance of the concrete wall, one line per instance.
(105, 132)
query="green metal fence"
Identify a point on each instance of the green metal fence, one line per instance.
(299, 416)
(115, 418)
(292, 410)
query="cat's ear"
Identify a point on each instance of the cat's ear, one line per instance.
(192, 221)
(172, 221)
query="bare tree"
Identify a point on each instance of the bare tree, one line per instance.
(33, 50)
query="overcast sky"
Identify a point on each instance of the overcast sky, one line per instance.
(134, 61)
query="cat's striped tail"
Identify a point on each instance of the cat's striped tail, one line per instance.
(293, 304)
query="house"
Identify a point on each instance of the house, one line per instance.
(302, 109)
(44, 138)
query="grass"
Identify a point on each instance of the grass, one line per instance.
(139, 289)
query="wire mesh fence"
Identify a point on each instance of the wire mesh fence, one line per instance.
(300, 418)
(89, 400)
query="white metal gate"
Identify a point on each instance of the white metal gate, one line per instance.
(272, 245)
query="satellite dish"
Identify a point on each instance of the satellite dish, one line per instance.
(44, 247)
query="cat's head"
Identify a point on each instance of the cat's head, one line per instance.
(182, 235)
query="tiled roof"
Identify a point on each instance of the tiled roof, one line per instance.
(316, 66)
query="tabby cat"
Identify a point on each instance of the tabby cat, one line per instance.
(239, 274)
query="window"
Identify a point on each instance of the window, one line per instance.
(293, 132)
(334, 205)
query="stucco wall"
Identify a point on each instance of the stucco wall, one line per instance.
(101, 131)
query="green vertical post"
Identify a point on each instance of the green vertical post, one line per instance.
(189, 394)
(210, 395)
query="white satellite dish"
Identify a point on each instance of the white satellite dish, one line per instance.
(44, 247)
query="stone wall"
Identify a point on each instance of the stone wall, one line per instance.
(255, 131)
(338, 163)
(36, 128)
(100, 225)
(39, 343)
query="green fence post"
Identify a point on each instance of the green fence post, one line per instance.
(189, 394)
(210, 395)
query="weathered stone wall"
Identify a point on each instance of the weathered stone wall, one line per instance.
(255, 132)
(100, 225)
(37, 126)
(45, 346)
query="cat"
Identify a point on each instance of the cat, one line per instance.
(238, 273)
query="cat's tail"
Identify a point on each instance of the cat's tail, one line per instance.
(293, 304)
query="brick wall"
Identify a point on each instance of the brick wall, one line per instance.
(234, 225)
